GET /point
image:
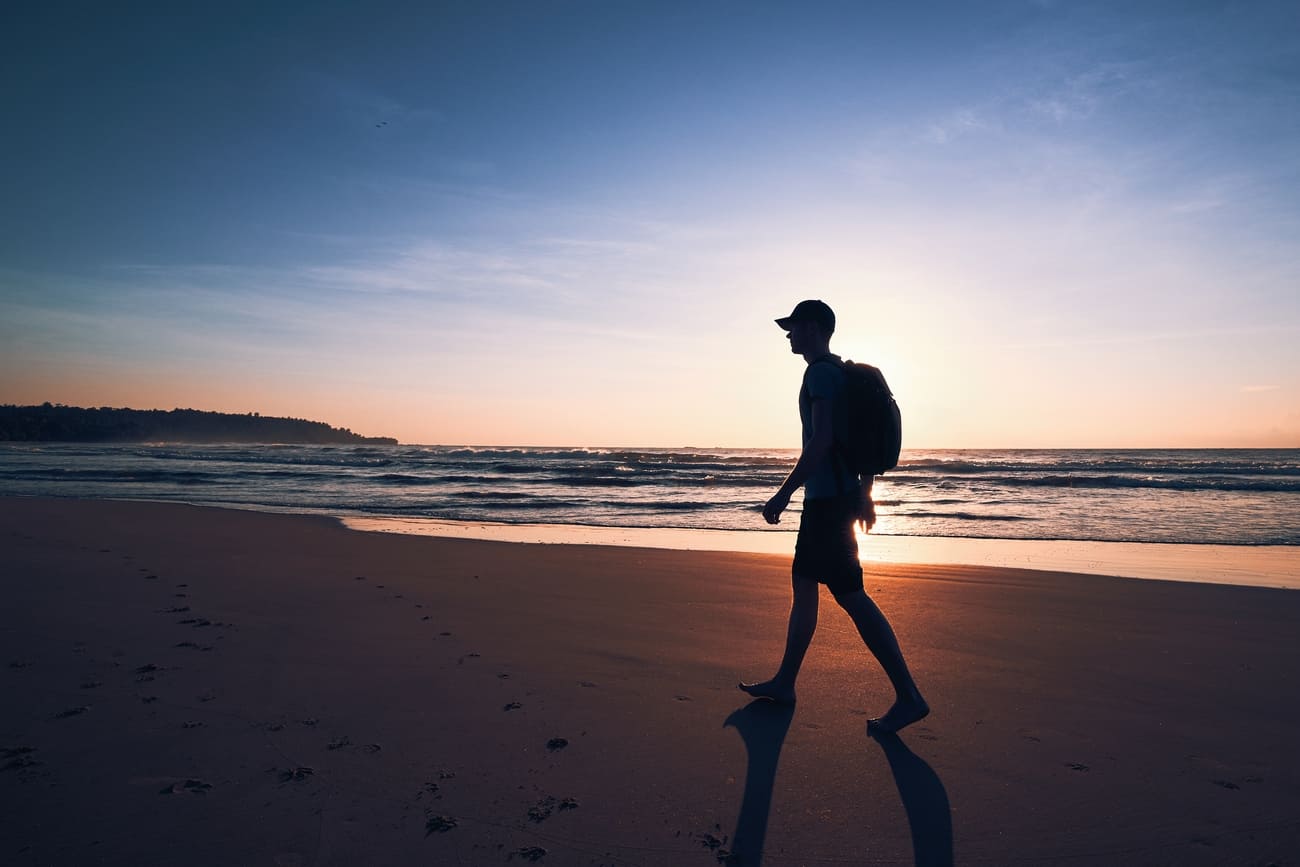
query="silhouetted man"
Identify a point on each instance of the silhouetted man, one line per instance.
(826, 551)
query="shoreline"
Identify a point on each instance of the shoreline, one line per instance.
(1273, 566)
(1268, 566)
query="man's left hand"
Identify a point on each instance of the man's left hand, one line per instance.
(867, 512)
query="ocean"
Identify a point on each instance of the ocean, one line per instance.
(1191, 496)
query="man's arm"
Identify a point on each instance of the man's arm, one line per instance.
(814, 453)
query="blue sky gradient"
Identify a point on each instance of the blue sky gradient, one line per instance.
(1052, 224)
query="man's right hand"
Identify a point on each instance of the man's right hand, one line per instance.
(775, 506)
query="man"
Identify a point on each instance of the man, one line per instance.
(826, 551)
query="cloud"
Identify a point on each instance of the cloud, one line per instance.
(1081, 95)
(960, 123)
(361, 105)
(1255, 389)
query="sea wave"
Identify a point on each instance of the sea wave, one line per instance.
(1227, 497)
(1173, 483)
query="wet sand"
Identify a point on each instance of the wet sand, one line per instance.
(205, 686)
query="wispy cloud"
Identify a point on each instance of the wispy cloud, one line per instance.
(359, 104)
(958, 124)
(1079, 95)
(1255, 389)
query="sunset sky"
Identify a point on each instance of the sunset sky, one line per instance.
(1052, 224)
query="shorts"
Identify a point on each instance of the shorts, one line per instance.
(827, 548)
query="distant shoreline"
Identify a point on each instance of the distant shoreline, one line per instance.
(56, 423)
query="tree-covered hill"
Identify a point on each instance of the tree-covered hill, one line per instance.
(57, 423)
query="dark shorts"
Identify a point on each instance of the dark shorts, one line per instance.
(827, 548)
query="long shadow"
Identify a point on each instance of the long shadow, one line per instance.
(762, 725)
(924, 799)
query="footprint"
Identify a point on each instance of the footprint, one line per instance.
(529, 853)
(555, 744)
(684, 698)
(715, 844)
(92, 684)
(1077, 766)
(339, 743)
(19, 758)
(1225, 784)
(72, 711)
(541, 811)
(192, 724)
(293, 775)
(514, 705)
(435, 824)
(194, 787)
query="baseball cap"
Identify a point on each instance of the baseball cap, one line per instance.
(811, 310)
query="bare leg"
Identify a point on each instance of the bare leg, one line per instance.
(803, 623)
(878, 636)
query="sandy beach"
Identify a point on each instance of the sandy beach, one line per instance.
(220, 687)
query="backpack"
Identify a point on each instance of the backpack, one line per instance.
(867, 425)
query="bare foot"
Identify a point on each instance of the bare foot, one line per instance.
(769, 690)
(901, 715)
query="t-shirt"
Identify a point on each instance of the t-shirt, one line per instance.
(822, 381)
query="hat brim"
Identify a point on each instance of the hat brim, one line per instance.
(786, 322)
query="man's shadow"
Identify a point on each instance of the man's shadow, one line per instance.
(924, 800)
(763, 726)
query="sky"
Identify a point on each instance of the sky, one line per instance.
(1051, 224)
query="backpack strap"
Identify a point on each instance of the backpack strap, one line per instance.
(841, 464)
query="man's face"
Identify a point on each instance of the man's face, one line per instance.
(801, 335)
